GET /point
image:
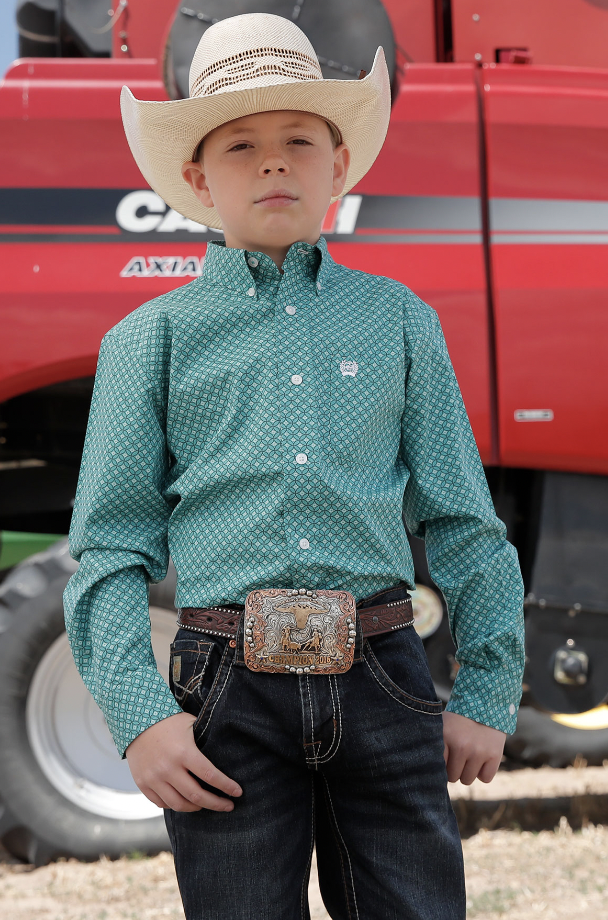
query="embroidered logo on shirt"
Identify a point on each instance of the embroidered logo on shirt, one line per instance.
(349, 368)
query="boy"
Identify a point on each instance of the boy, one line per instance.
(268, 425)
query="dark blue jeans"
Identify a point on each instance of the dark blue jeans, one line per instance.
(351, 764)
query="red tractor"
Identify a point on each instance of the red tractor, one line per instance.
(489, 200)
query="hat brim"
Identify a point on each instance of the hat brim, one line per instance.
(163, 135)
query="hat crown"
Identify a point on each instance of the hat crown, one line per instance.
(254, 49)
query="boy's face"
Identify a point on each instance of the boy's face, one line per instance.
(270, 176)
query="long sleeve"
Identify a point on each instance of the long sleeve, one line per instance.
(119, 536)
(448, 503)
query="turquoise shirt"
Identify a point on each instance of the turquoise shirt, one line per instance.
(276, 430)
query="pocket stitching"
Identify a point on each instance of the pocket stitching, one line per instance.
(195, 680)
(205, 705)
(218, 698)
(436, 707)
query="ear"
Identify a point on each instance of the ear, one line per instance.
(195, 177)
(341, 164)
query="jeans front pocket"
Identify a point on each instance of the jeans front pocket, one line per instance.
(397, 662)
(188, 663)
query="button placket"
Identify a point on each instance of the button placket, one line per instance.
(298, 410)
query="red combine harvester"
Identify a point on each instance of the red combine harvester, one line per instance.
(489, 200)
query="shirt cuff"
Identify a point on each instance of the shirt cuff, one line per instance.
(140, 700)
(486, 698)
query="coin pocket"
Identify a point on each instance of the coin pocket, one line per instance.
(188, 661)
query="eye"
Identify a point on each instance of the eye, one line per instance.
(300, 140)
(241, 146)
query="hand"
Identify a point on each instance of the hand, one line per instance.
(159, 760)
(471, 750)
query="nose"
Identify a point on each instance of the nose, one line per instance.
(274, 165)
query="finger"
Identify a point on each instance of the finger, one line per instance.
(188, 787)
(153, 796)
(204, 769)
(455, 764)
(177, 802)
(470, 770)
(489, 770)
(174, 799)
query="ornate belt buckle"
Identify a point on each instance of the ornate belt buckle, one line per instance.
(299, 631)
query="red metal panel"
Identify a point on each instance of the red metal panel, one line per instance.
(58, 302)
(567, 32)
(143, 28)
(83, 69)
(66, 134)
(432, 143)
(60, 122)
(548, 185)
(432, 150)
(414, 28)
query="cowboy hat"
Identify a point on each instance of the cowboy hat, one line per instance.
(246, 64)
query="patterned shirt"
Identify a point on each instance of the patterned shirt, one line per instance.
(269, 429)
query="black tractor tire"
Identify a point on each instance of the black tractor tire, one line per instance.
(540, 740)
(37, 822)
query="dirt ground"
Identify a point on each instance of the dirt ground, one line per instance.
(553, 875)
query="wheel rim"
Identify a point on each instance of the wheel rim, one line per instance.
(592, 720)
(70, 739)
(427, 609)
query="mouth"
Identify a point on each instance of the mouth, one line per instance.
(276, 197)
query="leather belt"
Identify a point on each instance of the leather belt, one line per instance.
(224, 621)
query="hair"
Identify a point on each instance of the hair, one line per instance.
(336, 140)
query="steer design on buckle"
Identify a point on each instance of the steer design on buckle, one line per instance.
(299, 631)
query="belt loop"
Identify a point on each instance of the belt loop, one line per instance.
(239, 657)
(358, 656)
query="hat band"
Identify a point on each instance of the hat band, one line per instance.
(257, 63)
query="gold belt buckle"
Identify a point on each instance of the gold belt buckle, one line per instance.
(299, 631)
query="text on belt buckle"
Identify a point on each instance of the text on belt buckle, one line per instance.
(304, 632)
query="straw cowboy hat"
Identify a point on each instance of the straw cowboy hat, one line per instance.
(245, 64)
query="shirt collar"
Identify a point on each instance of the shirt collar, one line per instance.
(234, 268)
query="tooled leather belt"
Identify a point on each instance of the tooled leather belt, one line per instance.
(224, 621)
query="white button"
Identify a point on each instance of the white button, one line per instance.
(301, 458)
(252, 261)
(304, 544)
(512, 709)
(296, 379)
(291, 310)
(251, 292)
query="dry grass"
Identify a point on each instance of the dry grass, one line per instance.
(553, 875)
(532, 783)
(519, 876)
(128, 889)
